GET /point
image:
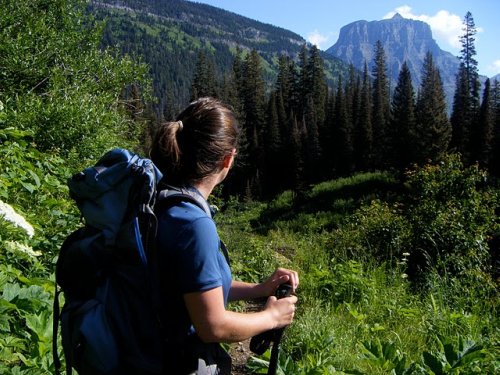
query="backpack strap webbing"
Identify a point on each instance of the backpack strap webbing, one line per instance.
(170, 196)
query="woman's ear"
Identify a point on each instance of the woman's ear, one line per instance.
(229, 159)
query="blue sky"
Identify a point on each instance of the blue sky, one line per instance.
(319, 21)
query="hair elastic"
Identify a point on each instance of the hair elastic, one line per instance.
(181, 125)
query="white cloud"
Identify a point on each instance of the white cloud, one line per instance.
(317, 38)
(446, 27)
(494, 68)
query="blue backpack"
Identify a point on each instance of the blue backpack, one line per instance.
(107, 271)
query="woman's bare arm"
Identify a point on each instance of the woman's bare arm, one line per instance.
(214, 323)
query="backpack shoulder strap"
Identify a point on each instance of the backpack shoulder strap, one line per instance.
(170, 196)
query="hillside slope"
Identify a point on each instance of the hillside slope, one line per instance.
(168, 36)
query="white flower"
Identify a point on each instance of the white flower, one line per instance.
(12, 216)
(16, 246)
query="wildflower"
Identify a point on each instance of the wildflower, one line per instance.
(406, 254)
(16, 246)
(8, 213)
(404, 276)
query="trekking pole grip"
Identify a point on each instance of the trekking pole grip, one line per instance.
(260, 343)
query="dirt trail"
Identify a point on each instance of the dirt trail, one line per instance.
(240, 353)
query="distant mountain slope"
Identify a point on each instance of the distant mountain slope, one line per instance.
(211, 23)
(169, 34)
(403, 40)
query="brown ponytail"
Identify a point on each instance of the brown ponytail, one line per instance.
(193, 147)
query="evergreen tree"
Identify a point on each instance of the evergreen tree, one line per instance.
(433, 130)
(353, 91)
(312, 148)
(486, 127)
(381, 106)
(303, 80)
(237, 71)
(327, 137)
(343, 134)
(169, 112)
(316, 87)
(285, 98)
(204, 81)
(296, 165)
(286, 85)
(272, 143)
(465, 115)
(229, 93)
(293, 103)
(284, 79)
(363, 134)
(253, 94)
(142, 118)
(402, 127)
(460, 113)
(281, 109)
(495, 154)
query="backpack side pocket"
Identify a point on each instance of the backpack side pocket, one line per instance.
(88, 338)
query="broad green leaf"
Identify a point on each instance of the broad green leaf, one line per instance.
(434, 363)
(30, 187)
(35, 177)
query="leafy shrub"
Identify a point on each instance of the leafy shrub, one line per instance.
(59, 85)
(25, 299)
(344, 283)
(59, 106)
(452, 215)
(35, 182)
(375, 231)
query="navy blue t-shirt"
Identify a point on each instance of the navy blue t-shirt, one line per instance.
(190, 260)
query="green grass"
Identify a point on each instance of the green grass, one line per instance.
(358, 312)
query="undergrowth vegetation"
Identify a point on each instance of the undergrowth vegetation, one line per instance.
(397, 276)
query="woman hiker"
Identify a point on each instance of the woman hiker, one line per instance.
(195, 153)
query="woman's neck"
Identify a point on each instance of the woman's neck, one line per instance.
(206, 186)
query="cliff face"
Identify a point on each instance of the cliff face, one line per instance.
(403, 40)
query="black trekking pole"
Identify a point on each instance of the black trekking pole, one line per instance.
(273, 361)
(260, 343)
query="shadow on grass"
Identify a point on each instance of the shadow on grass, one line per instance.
(329, 202)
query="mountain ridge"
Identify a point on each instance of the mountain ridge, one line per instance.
(168, 35)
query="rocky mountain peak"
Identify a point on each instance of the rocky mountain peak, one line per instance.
(403, 40)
